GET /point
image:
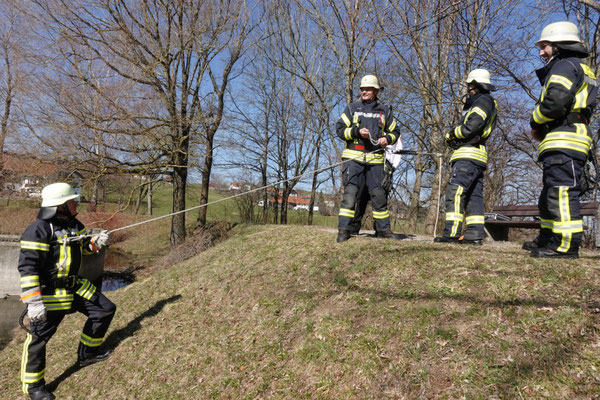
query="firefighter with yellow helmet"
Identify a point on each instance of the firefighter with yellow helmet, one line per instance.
(367, 127)
(464, 193)
(560, 123)
(49, 262)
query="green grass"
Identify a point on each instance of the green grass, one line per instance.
(285, 312)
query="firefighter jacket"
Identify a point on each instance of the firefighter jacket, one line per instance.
(49, 262)
(478, 121)
(376, 117)
(565, 107)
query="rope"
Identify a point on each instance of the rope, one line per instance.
(406, 152)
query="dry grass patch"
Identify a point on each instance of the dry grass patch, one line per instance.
(284, 312)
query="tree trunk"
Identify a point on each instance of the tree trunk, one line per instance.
(313, 188)
(206, 169)
(149, 196)
(178, 220)
(413, 208)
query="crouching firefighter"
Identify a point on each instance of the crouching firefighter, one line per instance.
(49, 260)
(464, 193)
(367, 127)
(560, 122)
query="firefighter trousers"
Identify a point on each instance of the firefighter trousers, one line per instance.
(464, 198)
(561, 223)
(372, 174)
(362, 201)
(100, 312)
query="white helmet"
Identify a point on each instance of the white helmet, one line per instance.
(370, 81)
(557, 32)
(481, 77)
(57, 193)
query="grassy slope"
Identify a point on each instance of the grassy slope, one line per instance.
(284, 312)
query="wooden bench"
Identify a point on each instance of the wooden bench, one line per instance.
(502, 218)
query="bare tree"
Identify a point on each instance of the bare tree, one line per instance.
(179, 54)
(10, 71)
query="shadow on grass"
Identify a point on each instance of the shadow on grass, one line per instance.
(465, 298)
(116, 337)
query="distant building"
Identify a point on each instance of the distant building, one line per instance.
(239, 186)
(25, 175)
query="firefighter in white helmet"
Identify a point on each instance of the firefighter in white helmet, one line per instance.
(464, 193)
(367, 127)
(49, 262)
(560, 123)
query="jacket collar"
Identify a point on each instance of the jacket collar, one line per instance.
(471, 100)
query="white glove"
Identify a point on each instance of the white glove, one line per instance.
(99, 240)
(36, 311)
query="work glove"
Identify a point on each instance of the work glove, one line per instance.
(99, 240)
(36, 310)
(451, 140)
(388, 174)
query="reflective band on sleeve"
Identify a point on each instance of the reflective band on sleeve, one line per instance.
(458, 132)
(392, 126)
(26, 245)
(348, 133)
(546, 223)
(346, 120)
(538, 117)
(30, 281)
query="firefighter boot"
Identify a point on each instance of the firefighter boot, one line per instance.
(385, 234)
(343, 235)
(474, 242)
(529, 245)
(546, 252)
(444, 239)
(40, 393)
(101, 356)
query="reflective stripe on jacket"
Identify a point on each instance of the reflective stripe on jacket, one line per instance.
(565, 105)
(46, 256)
(478, 122)
(376, 117)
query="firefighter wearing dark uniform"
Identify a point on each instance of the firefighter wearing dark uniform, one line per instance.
(560, 122)
(368, 127)
(464, 193)
(49, 261)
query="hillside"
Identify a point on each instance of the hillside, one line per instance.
(285, 312)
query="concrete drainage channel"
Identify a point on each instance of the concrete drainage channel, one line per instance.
(10, 287)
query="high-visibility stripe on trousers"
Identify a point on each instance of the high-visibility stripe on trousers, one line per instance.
(464, 197)
(99, 311)
(561, 223)
(353, 176)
